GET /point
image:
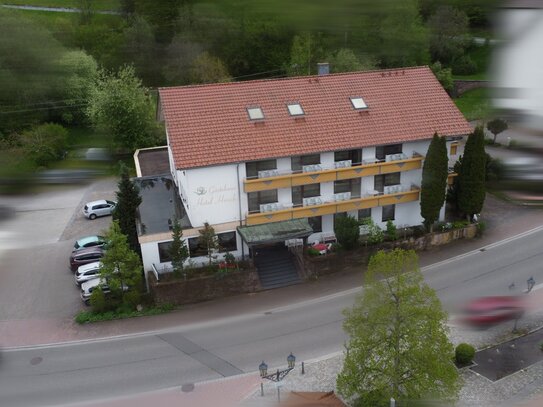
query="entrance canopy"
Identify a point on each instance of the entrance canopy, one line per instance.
(275, 232)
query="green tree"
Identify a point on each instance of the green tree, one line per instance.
(208, 239)
(398, 344)
(81, 73)
(45, 143)
(86, 11)
(162, 15)
(347, 231)
(305, 52)
(125, 213)
(471, 179)
(391, 231)
(120, 105)
(496, 127)
(207, 68)
(443, 75)
(345, 60)
(448, 34)
(434, 181)
(121, 270)
(178, 249)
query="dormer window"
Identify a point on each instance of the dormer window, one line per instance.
(255, 113)
(295, 109)
(358, 103)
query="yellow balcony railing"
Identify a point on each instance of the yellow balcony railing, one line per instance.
(334, 174)
(450, 177)
(334, 207)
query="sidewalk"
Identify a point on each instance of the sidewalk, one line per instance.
(502, 219)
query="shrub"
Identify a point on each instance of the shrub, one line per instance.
(92, 316)
(464, 354)
(391, 231)
(481, 227)
(459, 224)
(464, 66)
(347, 231)
(312, 252)
(375, 234)
(45, 143)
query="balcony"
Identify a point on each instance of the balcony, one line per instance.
(336, 203)
(274, 179)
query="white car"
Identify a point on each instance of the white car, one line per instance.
(98, 208)
(89, 286)
(87, 272)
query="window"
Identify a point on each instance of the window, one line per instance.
(164, 252)
(364, 214)
(316, 223)
(358, 103)
(252, 168)
(255, 113)
(354, 155)
(337, 216)
(196, 249)
(388, 212)
(261, 197)
(382, 151)
(385, 180)
(299, 161)
(305, 191)
(454, 149)
(348, 185)
(295, 109)
(227, 242)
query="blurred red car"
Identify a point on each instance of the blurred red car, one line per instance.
(491, 310)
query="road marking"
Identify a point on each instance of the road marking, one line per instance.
(242, 317)
(483, 249)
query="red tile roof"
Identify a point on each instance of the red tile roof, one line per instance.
(209, 124)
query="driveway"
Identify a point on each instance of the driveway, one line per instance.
(36, 282)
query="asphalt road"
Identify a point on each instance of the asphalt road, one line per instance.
(211, 349)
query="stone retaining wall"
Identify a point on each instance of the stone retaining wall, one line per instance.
(189, 291)
(314, 267)
(462, 86)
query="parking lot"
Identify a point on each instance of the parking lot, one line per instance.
(35, 245)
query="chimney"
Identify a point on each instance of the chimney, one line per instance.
(323, 68)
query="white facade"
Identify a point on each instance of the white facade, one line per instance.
(216, 195)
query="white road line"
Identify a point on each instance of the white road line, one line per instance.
(301, 304)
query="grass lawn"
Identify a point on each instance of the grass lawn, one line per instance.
(99, 5)
(474, 104)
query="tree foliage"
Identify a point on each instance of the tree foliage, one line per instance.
(398, 344)
(471, 179)
(121, 270)
(208, 239)
(496, 126)
(448, 34)
(306, 51)
(345, 60)
(179, 252)
(120, 105)
(443, 75)
(125, 213)
(347, 231)
(434, 181)
(45, 143)
(208, 69)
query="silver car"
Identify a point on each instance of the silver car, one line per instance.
(87, 272)
(98, 208)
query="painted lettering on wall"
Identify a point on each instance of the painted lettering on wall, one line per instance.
(215, 195)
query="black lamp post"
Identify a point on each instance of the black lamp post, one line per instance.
(280, 374)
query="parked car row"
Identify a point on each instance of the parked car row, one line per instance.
(85, 263)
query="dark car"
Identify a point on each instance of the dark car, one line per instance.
(491, 310)
(89, 241)
(85, 256)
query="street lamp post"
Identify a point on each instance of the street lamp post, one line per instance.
(277, 376)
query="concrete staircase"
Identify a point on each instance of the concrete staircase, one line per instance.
(276, 268)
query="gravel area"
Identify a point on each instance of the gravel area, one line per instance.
(477, 390)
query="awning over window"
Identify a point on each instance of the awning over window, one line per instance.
(275, 232)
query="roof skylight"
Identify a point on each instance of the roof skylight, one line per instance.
(358, 103)
(255, 113)
(295, 109)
